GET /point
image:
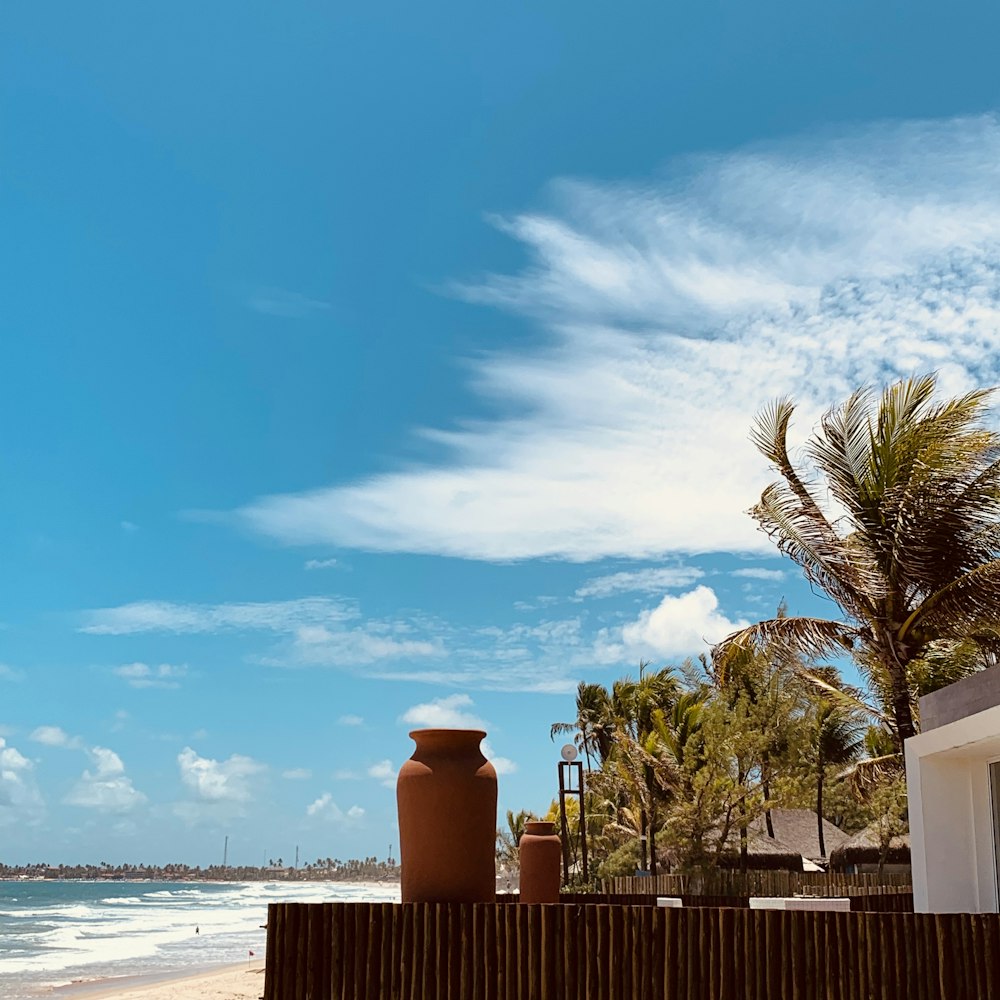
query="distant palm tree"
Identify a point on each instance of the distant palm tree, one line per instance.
(836, 736)
(903, 533)
(509, 839)
(594, 723)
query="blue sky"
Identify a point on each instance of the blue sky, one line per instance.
(375, 366)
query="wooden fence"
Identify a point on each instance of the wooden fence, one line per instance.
(723, 882)
(897, 901)
(387, 951)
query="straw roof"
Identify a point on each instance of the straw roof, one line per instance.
(763, 852)
(863, 849)
(796, 829)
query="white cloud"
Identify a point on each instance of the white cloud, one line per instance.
(443, 713)
(317, 632)
(321, 563)
(8, 673)
(142, 675)
(502, 765)
(20, 799)
(285, 304)
(678, 626)
(194, 619)
(326, 809)
(54, 736)
(129, 527)
(677, 308)
(106, 787)
(350, 720)
(297, 774)
(523, 679)
(218, 781)
(759, 573)
(321, 646)
(647, 581)
(448, 713)
(384, 773)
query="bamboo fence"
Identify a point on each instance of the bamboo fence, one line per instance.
(899, 900)
(723, 882)
(422, 951)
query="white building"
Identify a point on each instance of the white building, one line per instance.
(953, 784)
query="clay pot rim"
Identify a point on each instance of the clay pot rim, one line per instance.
(437, 731)
(539, 822)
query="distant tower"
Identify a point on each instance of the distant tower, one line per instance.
(225, 853)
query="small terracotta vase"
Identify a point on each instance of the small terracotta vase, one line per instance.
(540, 851)
(446, 795)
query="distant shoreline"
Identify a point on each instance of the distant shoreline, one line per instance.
(300, 875)
(175, 879)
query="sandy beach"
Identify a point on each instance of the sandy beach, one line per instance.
(234, 982)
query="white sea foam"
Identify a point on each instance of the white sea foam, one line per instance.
(61, 931)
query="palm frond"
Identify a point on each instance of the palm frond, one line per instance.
(865, 776)
(797, 635)
(963, 606)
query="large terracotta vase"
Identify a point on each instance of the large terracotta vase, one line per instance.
(446, 795)
(540, 853)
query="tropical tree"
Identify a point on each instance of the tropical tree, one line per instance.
(902, 530)
(614, 729)
(509, 839)
(594, 723)
(762, 683)
(835, 737)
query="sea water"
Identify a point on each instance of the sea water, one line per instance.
(53, 933)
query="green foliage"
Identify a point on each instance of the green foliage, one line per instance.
(909, 556)
(507, 840)
(623, 860)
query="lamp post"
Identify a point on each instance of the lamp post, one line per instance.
(570, 767)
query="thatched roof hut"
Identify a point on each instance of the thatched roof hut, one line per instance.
(794, 845)
(797, 829)
(763, 853)
(864, 851)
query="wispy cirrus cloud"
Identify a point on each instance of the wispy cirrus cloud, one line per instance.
(322, 563)
(319, 631)
(647, 581)
(285, 304)
(676, 308)
(168, 616)
(142, 675)
(759, 573)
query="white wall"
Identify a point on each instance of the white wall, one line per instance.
(951, 822)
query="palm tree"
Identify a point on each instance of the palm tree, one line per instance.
(910, 554)
(614, 729)
(509, 839)
(836, 736)
(594, 723)
(766, 679)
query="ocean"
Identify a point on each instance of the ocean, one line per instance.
(53, 933)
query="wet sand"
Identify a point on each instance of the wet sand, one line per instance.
(233, 982)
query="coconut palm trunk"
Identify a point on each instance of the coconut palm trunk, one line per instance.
(819, 811)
